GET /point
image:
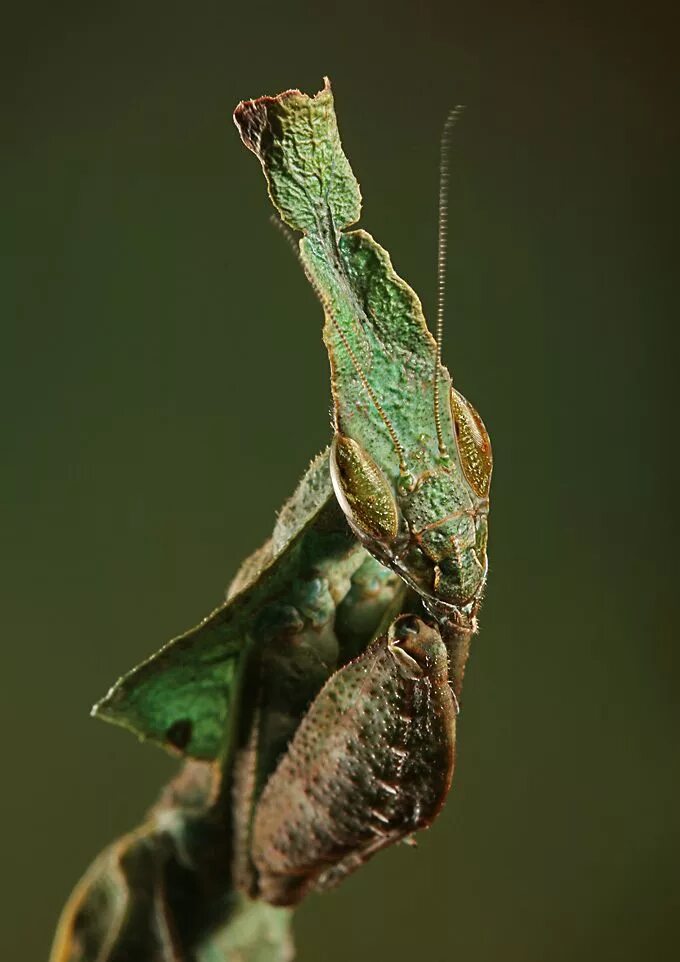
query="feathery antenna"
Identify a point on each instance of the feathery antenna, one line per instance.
(442, 240)
(288, 235)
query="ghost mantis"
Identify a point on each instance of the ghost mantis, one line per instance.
(316, 707)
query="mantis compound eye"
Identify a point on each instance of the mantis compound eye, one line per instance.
(474, 446)
(362, 490)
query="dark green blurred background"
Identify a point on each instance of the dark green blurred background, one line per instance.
(164, 385)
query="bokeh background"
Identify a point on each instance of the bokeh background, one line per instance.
(164, 385)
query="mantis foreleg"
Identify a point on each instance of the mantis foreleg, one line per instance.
(370, 763)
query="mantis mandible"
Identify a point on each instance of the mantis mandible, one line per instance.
(317, 706)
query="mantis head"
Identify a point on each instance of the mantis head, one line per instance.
(425, 517)
(411, 458)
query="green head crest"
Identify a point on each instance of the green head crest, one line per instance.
(411, 459)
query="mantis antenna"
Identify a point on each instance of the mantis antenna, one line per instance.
(328, 309)
(442, 239)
